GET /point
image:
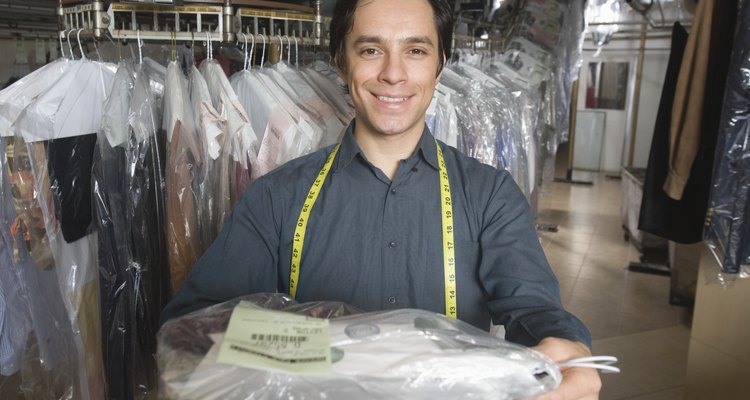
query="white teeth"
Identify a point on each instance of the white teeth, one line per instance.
(391, 99)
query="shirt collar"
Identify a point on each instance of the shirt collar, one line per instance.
(349, 148)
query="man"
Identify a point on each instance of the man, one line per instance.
(387, 220)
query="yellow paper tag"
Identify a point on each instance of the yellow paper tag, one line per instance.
(276, 341)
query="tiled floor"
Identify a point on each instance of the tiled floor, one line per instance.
(628, 313)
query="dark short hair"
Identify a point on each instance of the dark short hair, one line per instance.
(343, 20)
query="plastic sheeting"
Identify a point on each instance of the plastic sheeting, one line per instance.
(54, 117)
(36, 338)
(128, 177)
(512, 106)
(403, 354)
(728, 230)
(491, 123)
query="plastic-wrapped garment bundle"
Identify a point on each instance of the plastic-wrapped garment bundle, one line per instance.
(307, 126)
(524, 63)
(183, 158)
(282, 136)
(234, 121)
(26, 201)
(110, 200)
(295, 86)
(565, 71)
(475, 118)
(728, 231)
(15, 318)
(441, 116)
(77, 274)
(520, 110)
(492, 121)
(46, 356)
(71, 108)
(240, 141)
(329, 85)
(131, 254)
(206, 179)
(402, 354)
(23, 92)
(148, 276)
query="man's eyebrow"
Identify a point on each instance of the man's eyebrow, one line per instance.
(419, 40)
(366, 39)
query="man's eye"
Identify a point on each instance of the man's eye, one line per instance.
(369, 52)
(417, 52)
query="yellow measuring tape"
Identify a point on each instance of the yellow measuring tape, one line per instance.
(304, 215)
(446, 206)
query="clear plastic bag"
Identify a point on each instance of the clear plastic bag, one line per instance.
(402, 354)
(728, 231)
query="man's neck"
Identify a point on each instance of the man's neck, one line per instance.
(387, 151)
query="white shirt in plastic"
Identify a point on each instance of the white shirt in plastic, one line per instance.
(23, 92)
(402, 354)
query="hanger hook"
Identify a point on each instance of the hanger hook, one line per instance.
(192, 45)
(296, 52)
(80, 47)
(252, 50)
(281, 48)
(62, 48)
(70, 47)
(140, 46)
(244, 65)
(288, 49)
(263, 54)
(174, 45)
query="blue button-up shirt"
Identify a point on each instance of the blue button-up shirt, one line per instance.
(376, 243)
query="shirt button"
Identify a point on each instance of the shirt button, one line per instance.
(415, 169)
(393, 191)
(392, 300)
(392, 244)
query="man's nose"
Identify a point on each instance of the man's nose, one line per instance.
(393, 70)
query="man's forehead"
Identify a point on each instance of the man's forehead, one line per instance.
(378, 15)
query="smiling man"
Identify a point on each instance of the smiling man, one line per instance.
(390, 218)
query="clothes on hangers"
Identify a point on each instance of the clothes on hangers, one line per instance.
(240, 142)
(69, 107)
(34, 328)
(183, 159)
(728, 230)
(130, 210)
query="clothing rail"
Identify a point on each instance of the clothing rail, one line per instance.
(222, 20)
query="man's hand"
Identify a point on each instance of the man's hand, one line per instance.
(577, 383)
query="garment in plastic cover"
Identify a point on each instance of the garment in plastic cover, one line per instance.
(128, 179)
(36, 339)
(494, 125)
(402, 354)
(728, 230)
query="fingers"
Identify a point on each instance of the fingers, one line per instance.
(578, 383)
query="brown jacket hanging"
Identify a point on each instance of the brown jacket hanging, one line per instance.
(687, 110)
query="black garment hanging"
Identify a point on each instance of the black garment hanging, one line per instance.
(730, 201)
(683, 221)
(70, 161)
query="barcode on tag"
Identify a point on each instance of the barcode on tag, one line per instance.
(278, 338)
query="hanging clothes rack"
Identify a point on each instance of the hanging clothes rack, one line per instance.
(223, 20)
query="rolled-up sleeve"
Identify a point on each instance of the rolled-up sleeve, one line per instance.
(524, 294)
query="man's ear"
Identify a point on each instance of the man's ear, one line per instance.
(340, 67)
(440, 74)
